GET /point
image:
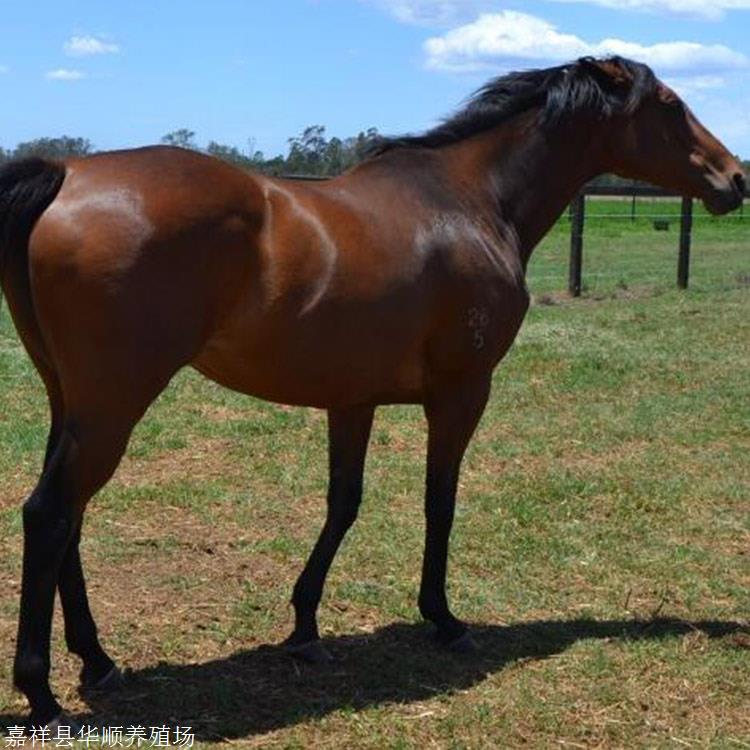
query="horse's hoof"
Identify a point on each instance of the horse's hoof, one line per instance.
(312, 652)
(464, 644)
(111, 682)
(62, 727)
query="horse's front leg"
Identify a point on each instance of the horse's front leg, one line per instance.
(348, 435)
(452, 417)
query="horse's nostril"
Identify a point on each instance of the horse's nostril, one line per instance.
(740, 182)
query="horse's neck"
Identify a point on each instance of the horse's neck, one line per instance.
(525, 178)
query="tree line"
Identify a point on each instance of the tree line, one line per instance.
(309, 153)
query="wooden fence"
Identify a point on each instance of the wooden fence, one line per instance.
(577, 224)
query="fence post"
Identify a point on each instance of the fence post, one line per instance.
(577, 213)
(686, 226)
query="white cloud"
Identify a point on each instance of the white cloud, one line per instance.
(494, 37)
(497, 40)
(675, 56)
(711, 9)
(82, 46)
(64, 74)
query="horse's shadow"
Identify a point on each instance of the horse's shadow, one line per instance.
(261, 689)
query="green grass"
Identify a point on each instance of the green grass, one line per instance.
(601, 545)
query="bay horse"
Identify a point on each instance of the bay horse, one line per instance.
(400, 281)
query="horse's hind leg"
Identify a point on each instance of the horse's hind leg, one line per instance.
(47, 521)
(348, 435)
(81, 462)
(98, 669)
(98, 672)
(452, 417)
(86, 453)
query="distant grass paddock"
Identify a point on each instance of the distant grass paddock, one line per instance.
(601, 546)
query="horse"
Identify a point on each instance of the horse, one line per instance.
(399, 281)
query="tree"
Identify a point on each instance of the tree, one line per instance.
(228, 153)
(184, 138)
(53, 148)
(335, 157)
(364, 141)
(307, 151)
(274, 166)
(310, 153)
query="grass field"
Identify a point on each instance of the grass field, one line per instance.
(601, 546)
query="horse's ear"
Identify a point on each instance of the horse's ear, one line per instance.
(610, 74)
(624, 82)
(613, 70)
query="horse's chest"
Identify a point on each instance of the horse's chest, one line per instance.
(492, 327)
(482, 312)
(479, 331)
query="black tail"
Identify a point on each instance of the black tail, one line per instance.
(27, 187)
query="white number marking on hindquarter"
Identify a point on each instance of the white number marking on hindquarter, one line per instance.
(478, 321)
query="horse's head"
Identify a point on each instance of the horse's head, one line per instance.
(656, 137)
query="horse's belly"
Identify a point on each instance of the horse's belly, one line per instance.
(309, 368)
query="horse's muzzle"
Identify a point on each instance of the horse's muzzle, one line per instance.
(729, 196)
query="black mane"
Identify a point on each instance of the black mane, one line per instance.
(582, 85)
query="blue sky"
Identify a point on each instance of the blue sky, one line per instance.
(124, 74)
